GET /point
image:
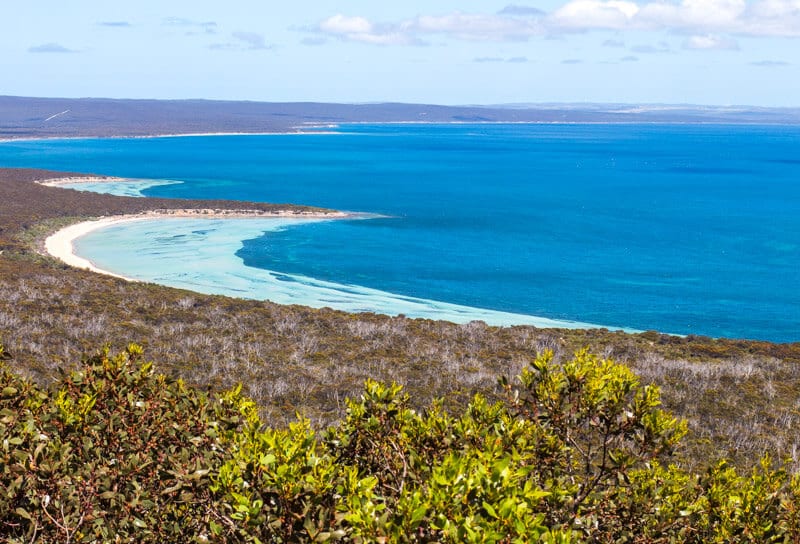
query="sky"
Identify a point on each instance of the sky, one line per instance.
(715, 52)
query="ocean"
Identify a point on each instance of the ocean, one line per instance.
(684, 229)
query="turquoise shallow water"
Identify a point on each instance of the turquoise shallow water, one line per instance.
(682, 229)
(199, 254)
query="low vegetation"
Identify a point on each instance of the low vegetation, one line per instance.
(26, 204)
(738, 397)
(572, 452)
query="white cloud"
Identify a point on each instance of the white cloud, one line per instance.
(588, 14)
(343, 25)
(513, 60)
(251, 40)
(50, 48)
(387, 38)
(115, 24)
(660, 47)
(243, 41)
(705, 21)
(758, 18)
(712, 13)
(359, 29)
(774, 17)
(194, 27)
(623, 14)
(774, 8)
(478, 27)
(524, 11)
(770, 63)
(710, 41)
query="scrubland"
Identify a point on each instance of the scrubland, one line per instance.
(740, 398)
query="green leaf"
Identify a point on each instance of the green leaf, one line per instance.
(489, 509)
(419, 514)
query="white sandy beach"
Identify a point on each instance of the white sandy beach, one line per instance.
(296, 130)
(61, 244)
(66, 181)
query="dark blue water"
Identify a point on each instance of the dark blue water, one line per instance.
(683, 229)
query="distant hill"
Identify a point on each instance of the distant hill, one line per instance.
(22, 117)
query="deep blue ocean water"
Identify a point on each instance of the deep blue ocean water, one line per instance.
(687, 229)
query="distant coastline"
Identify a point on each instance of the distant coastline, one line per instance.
(171, 135)
(121, 118)
(293, 131)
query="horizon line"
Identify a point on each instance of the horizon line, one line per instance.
(495, 105)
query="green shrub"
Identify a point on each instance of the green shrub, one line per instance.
(578, 452)
(112, 452)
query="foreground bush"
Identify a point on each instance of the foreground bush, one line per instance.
(576, 453)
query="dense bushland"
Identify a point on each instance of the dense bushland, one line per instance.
(574, 452)
(738, 404)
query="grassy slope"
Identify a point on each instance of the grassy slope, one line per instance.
(739, 396)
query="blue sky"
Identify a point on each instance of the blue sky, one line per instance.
(722, 52)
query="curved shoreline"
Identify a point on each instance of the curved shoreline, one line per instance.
(66, 181)
(60, 244)
(299, 130)
(277, 287)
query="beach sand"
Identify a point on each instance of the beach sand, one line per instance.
(60, 244)
(60, 182)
